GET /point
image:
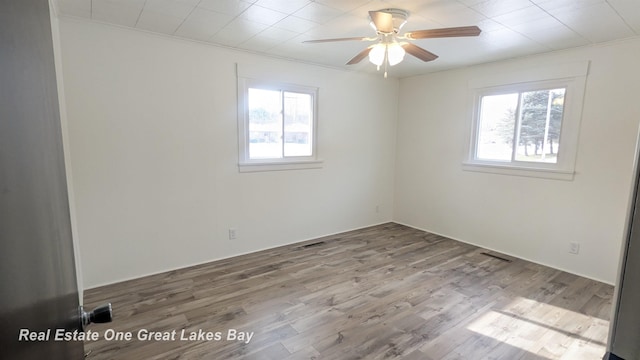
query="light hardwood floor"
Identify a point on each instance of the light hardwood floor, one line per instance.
(386, 291)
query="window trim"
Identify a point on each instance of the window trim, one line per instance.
(572, 77)
(245, 163)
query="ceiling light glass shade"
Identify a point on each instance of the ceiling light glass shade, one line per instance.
(376, 55)
(395, 53)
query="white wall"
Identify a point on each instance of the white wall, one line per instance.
(153, 143)
(530, 218)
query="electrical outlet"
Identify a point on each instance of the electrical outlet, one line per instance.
(233, 233)
(574, 248)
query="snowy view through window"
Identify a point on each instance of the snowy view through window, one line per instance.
(522, 126)
(280, 124)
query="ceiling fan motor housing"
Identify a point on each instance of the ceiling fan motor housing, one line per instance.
(399, 18)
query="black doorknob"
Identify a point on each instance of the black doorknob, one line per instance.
(101, 314)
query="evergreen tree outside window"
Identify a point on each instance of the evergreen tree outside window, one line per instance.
(521, 126)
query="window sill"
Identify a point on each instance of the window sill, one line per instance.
(279, 166)
(554, 174)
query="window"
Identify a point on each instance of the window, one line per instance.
(277, 126)
(528, 128)
(521, 126)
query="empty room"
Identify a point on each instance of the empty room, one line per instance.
(328, 179)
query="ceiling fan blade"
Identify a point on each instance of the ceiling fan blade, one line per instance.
(444, 32)
(338, 39)
(361, 55)
(382, 20)
(419, 52)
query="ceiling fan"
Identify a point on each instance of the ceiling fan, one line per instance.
(391, 46)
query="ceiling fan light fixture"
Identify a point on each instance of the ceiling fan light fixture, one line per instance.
(395, 53)
(377, 54)
(388, 51)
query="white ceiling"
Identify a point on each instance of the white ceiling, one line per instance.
(510, 28)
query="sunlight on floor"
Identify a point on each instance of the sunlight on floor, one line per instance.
(545, 330)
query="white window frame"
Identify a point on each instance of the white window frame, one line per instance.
(245, 163)
(572, 77)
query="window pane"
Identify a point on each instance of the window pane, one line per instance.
(298, 109)
(265, 124)
(539, 131)
(496, 128)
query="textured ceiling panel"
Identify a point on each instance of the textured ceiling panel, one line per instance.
(511, 28)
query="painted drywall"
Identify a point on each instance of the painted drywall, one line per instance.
(153, 143)
(530, 218)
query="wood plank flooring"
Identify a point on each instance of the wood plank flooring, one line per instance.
(382, 292)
